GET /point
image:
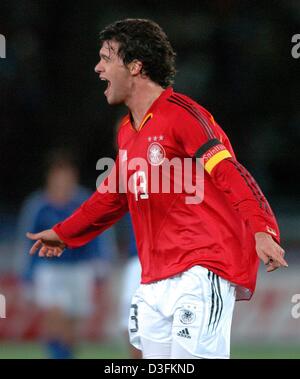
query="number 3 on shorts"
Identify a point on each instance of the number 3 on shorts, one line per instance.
(133, 317)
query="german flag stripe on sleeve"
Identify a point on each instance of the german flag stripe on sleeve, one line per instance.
(213, 152)
(217, 158)
(208, 145)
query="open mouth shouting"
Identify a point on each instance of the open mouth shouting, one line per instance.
(108, 85)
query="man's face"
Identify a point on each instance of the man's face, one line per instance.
(61, 183)
(112, 69)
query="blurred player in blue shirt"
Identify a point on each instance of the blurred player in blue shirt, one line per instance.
(62, 287)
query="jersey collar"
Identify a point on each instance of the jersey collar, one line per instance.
(149, 114)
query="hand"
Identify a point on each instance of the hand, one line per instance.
(269, 251)
(48, 242)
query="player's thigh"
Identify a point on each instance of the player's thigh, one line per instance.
(155, 350)
(202, 323)
(148, 326)
(80, 286)
(49, 289)
(130, 282)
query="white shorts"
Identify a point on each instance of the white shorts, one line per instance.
(67, 286)
(130, 282)
(193, 310)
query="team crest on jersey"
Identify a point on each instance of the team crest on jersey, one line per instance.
(156, 154)
(187, 316)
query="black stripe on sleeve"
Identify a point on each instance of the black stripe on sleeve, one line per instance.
(195, 114)
(253, 186)
(196, 111)
(204, 148)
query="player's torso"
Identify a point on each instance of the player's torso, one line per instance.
(142, 154)
(160, 178)
(171, 232)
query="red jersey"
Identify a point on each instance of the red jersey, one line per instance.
(173, 235)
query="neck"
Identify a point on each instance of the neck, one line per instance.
(141, 99)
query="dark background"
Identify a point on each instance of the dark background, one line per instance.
(233, 57)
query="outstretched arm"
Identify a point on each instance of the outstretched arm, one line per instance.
(94, 216)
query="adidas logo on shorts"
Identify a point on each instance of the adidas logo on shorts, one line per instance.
(184, 333)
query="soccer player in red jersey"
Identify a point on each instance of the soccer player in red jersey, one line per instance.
(197, 257)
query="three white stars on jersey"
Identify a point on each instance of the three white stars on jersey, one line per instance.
(155, 138)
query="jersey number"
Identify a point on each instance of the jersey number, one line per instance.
(133, 317)
(140, 185)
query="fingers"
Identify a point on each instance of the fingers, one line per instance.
(35, 247)
(60, 252)
(34, 236)
(278, 256)
(264, 257)
(50, 252)
(45, 251)
(272, 267)
(270, 251)
(273, 258)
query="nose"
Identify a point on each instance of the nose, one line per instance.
(98, 68)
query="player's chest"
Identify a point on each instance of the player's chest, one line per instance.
(151, 145)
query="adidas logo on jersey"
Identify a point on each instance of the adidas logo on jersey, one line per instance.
(184, 333)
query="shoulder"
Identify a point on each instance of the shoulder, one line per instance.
(32, 207)
(34, 201)
(184, 107)
(185, 115)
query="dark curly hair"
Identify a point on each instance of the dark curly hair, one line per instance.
(145, 41)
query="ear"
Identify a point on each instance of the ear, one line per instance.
(135, 67)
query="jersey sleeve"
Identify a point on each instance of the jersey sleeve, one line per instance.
(103, 209)
(202, 138)
(246, 197)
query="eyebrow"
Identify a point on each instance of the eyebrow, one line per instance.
(104, 56)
